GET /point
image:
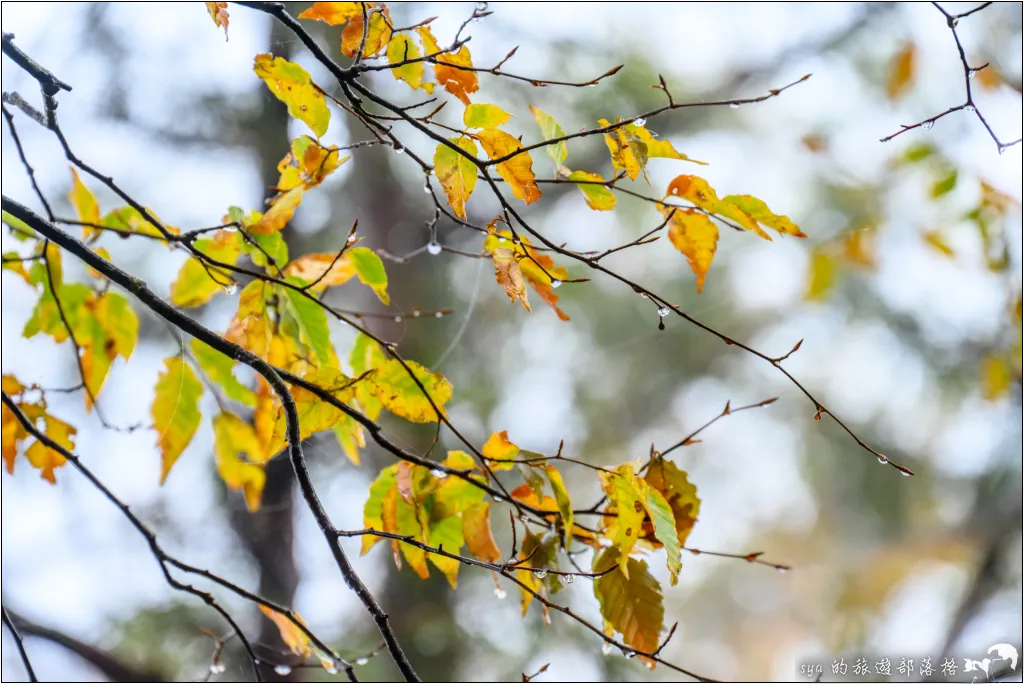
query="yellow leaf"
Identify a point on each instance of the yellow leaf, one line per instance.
(656, 148)
(324, 269)
(307, 164)
(760, 212)
(458, 82)
(280, 213)
(219, 13)
(399, 393)
(374, 506)
(598, 197)
(695, 235)
(484, 116)
(399, 517)
(630, 602)
(996, 377)
(564, 504)
(85, 204)
(116, 317)
(175, 411)
(13, 433)
(537, 268)
(292, 635)
(446, 534)
(901, 71)
(624, 499)
(197, 282)
(232, 436)
(517, 171)
(291, 84)
(43, 457)
(476, 528)
(400, 48)
(937, 241)
(377, 36)
(510, 276)
(251, 327)
(627, 155)
(456, 174)
(824, 271)
(499, 451)
(694, 189)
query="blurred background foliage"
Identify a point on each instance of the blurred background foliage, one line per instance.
(907, 294)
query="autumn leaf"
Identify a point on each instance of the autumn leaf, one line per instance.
(456, 173)
(307, 164)
(484, 116)
(399, 517)
(901, 71)
(499, 451)
(291, 634)
(652, 147)
(114, 314)
(332, 13)
(564, 504)
(218, 368)
(399, 393)
(291, 84)
(598, 197)
(280, 212)
(694, 189)
(86, 207)
(175, 411)
(446, 534)
(665, 477)
(41, 456)
(377, 35)
(550, 129)
(537, 268)
(664, 523)
(937, 241)
(366, 355)
(625, 500)
(197, 282)
(510, 276)
(626, 151)
(760, 212)
(219, 13)
(693, 234)
(233, 436)
(251, 328)
(476, 529)
(370, 271)
(631, 602)
(458, 82)
(517, 171)
(401, 48)
(996, 377)
(321, 271)
(822, 275)
(373, 508)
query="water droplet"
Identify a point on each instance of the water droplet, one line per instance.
(664, 311)
(498, 499)
(427, 189)
(399, 149)
(440, 474)
(970, 74)
(654, 134)
(640, 121)
(882, 459)
(283, 670)
(927, 125)
(1003, 148)
(969, 108)
(649, 664)
(330, 667)
(231, 288)
(556, 283)
(362, 661)
(782, 570)
(643, 295)
(540, 574)
(905, 473)
(433, 248)
(734, 105)
(593, 85)
(351, 238)
(217, 668)
(398, 319)
(438, 314)
(629, 654)
(500, 593)
(569, 579)
(606, 648)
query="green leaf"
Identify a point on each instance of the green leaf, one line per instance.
(175, 411)
(446, 534)
(631, 604)
(550, 129)
(665, 477)
(945, 184)
(272, 245)
(373, 509)
(598, 197)
(218, 367)
(119, 321)
(664, 526)
(312, 323)
(19, 229)
(564, 504)
(366, 355)
(370, 271)
(484, 116)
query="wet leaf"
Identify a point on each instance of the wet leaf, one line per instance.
(460, 82)
(499, 451)
(517, 171)
(630, 602)
(476, 528)
(695, 235)
(291, 84)
(292, 636)
(456, 174)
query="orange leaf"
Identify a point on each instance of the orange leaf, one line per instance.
(517, 171)
(695, 235)
(901, 71)
(219, 13)
(377, 35)
(510, 276)
(476, 528)
(291, 634)
(458, 82)
(333, 13)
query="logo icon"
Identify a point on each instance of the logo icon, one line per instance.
(1003, 652)
(1000, 652)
